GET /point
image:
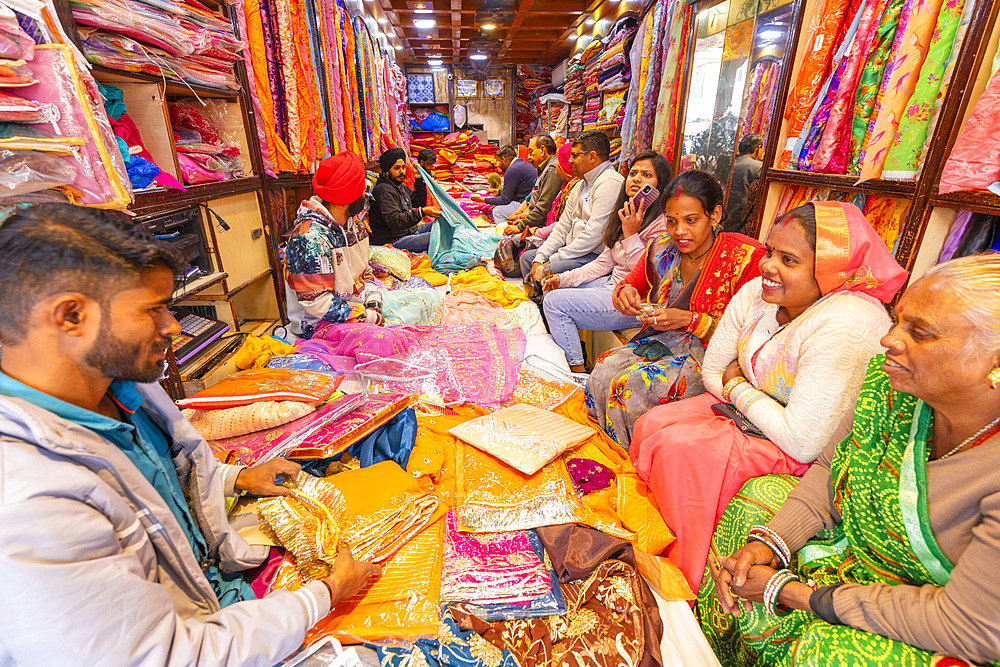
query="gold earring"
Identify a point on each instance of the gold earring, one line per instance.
(994, 377)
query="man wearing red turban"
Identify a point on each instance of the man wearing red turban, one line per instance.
(327, 254)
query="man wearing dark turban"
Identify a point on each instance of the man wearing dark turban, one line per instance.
(327, 254)
(393, 218)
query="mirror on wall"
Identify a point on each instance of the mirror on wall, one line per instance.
(739, 49)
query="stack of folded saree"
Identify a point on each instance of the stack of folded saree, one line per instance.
(573, 87)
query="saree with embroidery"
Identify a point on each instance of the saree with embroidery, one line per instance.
(802, 379)
(661, 367)
(878, 479)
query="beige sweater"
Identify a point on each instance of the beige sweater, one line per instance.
(960, 619)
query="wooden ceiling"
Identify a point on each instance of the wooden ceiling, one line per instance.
(542, 31)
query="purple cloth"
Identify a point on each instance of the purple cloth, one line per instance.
(589, 476)
(518, 181)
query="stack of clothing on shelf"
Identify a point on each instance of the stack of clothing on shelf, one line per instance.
(178, 38)
(573, 87)
(591, 59)
(57, 143)
(208, 148)
(576, 119)
(616, 69)
(530, 82)
(461, 158)
(870, 90)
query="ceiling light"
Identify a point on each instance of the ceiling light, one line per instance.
(428, 37)
(434, 62)
(421, 6)
(489, 26)
(398, 47)
(771, 34)
(589, 21)
(478, 56)
(423, 11)
(424, 23)
(383, 20)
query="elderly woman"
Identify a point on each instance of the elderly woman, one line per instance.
(899, 524)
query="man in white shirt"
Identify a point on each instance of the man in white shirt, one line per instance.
(576, 237)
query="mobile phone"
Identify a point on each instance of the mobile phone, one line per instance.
(645, 197)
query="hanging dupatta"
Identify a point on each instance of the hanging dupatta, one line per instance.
(256, 40)
(815, 67)
(674, 47)
(839, 116)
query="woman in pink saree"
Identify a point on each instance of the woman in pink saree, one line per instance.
(789, 355)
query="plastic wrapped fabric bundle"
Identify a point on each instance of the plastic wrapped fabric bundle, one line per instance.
(24, 171)
(260, 446)
(101, 179)
(426, 373)
(336, 436)
(232, 422)
(498, 576)
(256, 385)
(396, 262)
(302, 362)
(522, 436)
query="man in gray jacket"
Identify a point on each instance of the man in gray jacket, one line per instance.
(114, 543)
(541, 154)
(576, 237)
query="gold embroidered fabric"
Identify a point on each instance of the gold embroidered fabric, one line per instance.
(535, 390)
(375, 510)
(604, 626)
(523, 436)
(495, 497)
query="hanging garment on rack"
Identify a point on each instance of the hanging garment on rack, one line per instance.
(899, 84)
(917, 125)
(456, 243)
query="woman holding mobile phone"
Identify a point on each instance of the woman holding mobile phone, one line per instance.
(678, 290)
(588, 305)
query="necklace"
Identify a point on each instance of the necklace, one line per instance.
(695, 259)
(980, 436)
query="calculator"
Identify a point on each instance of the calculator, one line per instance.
(196, 334)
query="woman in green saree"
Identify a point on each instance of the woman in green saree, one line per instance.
(892, 539)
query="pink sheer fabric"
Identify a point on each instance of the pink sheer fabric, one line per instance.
(466, 307)
(490, 568)
(484, 357)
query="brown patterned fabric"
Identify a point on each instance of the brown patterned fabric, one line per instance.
(612, 619)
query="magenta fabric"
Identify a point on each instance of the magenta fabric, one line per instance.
(485, 358)
(260, 577)
(589, 476)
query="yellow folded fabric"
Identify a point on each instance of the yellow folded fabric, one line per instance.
(375, 510)
(255, 351)
(494, 289)
(420, 266)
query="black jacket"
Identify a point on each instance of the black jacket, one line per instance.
(392, 215)
(419, 198)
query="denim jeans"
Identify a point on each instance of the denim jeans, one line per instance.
(418, 241)
(588, 306)
(558, 265)
(501, 213)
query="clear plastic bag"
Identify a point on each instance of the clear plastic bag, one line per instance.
(427, 373)
(24, 171)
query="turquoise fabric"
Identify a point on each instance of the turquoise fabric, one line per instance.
(148, 448)
(456, 243)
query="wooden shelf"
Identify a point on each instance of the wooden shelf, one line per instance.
(174, 87)
(189, 290)
(898, 189)
(149, 201)
(290, 180)
(977, 201)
